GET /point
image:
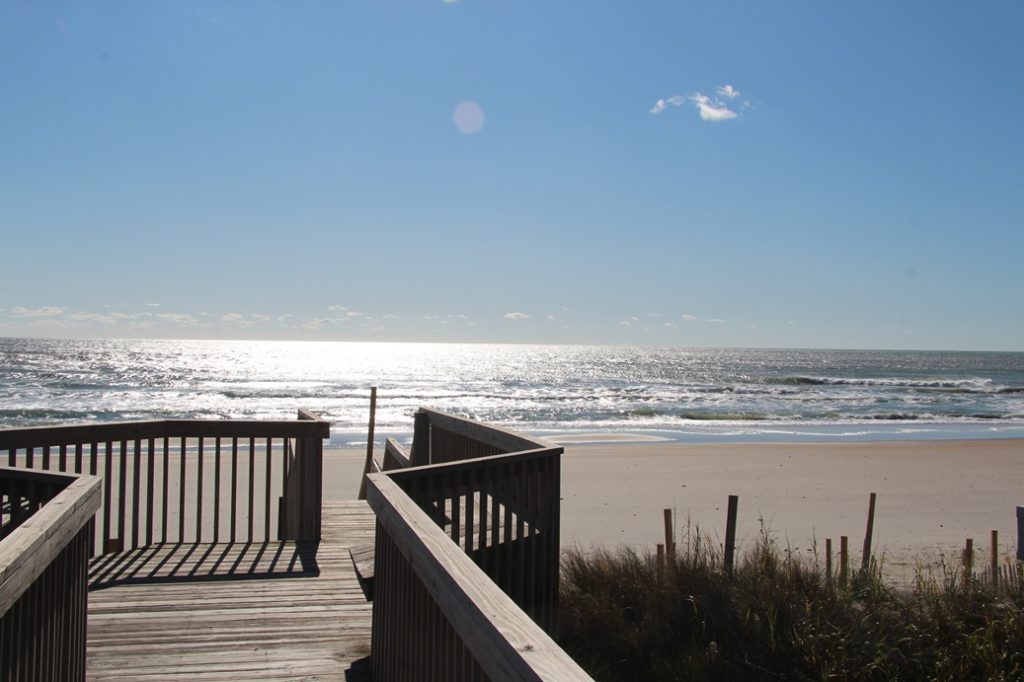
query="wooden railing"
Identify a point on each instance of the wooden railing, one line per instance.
(46, 526)
(183, 481)
(467, 556)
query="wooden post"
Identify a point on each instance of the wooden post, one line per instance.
(995, 558)
(844, 559)
(1020, 533)
(730, 533)
(661, 560)
(865, 561)
(420, 454)
(670, 543)
(828, 563)
(968, 559)
(368, 465)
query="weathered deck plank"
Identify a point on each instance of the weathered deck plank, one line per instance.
(275, 611)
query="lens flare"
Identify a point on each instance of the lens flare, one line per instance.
(468, 117)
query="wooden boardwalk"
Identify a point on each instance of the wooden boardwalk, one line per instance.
(273, 611)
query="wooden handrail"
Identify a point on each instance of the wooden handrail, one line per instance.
(501, 439)
(505, 644)
(26, 552)
(189, 480)
(458, 466)
(43, 574)
(54, 436)
(395, 456)
(467, 554)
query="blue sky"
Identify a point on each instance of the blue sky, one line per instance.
(697, 174)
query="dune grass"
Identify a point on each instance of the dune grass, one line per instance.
(624, 617)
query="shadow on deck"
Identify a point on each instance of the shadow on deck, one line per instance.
(260, 611)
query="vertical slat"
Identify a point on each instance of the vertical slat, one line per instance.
(150, 462)
(508, 488)
(216, 490)
(136, 489)
(122, 495)
(62, 458)
(266, 492)
(234, 487)
(452, 485)
(181, 493)
(469, 497)
(94, 456)
(165, 482)
(12, 457)
(78, 458)
(252, 485)
(199, 491)
(481, 540)
(520, 562)
(30, 456)
(46, 458)
(108, 484)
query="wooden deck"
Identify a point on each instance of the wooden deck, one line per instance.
(263, 611)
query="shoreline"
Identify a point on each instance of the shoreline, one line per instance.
(931, 495)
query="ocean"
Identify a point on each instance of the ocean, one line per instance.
(680, 394)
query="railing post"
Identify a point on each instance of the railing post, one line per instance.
(420, 440)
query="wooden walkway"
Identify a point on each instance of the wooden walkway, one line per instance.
(275, 611)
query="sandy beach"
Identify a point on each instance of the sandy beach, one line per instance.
(931, 495)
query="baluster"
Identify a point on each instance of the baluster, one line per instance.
(199, 491)
(136, 488)
(234, 486)
(266, 492)
(181, 493)
(252, 484)
(216, 490)
(150, 461)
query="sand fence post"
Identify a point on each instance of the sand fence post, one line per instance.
(865, 560)
(670, 543)
(828, 563)
(995, 558)
(844, 559)
(660, 564)
(368, 465)
(968, 559)
(1020, 533)
(730, 533)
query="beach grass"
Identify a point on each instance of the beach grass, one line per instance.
(625, 615)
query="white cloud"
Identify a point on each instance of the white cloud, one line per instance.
(717, 320)
(727, 91)
(516, 316)
(689, 318)
(45, 311)
(671, 325)
(712, 110)
(625, 323)
(336, 308)
(177, 318)
(95, 318)
(231, 317)
(661, 104)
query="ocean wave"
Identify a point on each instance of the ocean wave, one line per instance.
(968, 386)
